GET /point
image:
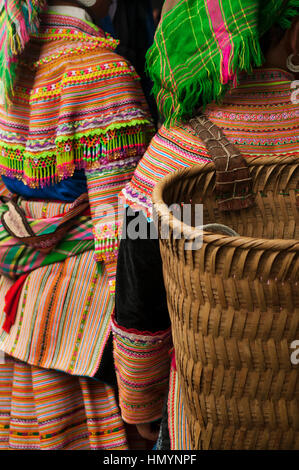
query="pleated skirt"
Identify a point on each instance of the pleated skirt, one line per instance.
(50, 410)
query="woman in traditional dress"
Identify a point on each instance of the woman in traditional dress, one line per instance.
(237, 62)
(73, 125)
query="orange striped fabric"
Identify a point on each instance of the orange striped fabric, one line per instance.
(177, 422)
(106, 211)
(63, 317)
(49, 410)
(142, 364)
(55, 327)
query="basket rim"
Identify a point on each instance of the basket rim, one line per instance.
(161, 209)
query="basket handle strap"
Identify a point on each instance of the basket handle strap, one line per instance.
(233, 180)
(219, 228)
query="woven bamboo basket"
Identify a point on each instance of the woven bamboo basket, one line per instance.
(234, 307)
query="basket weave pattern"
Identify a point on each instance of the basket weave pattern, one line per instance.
(234, 308)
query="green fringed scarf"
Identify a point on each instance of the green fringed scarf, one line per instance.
(201, 46)
(18, 19)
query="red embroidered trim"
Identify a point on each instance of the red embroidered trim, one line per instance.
(137, 332)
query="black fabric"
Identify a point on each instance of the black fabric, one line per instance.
(134, 27)
(106, 370)
(140, 301)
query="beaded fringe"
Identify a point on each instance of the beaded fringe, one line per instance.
(89, 152)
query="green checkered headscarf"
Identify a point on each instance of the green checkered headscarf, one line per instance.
(201, 46)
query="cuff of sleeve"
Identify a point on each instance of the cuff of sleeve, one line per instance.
(142, 361)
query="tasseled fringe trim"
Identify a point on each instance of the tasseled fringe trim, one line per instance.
(89, 152)
(283, 16)
(106, 250)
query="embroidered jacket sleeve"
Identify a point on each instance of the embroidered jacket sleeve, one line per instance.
(141, 327)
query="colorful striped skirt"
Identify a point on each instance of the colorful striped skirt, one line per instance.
(49, 410)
